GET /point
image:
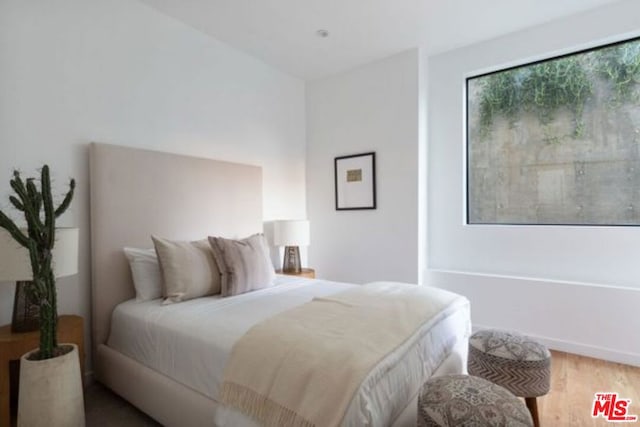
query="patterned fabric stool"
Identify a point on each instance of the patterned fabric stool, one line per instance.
(513, 361)
(467, 401)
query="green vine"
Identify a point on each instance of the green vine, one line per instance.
(549, 86)
(567, 83)
(499, 96)
(620, 65)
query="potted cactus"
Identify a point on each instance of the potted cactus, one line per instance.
(50, 378)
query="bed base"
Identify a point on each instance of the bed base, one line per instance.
(173, 404)
(168, 402)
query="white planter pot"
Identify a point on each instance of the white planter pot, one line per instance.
(51, 392)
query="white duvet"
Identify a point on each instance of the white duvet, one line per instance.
(191, 341)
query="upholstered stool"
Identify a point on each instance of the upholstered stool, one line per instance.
(467, 401)
(513, 361)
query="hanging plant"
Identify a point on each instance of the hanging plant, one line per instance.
(541, 89)
(620, 65)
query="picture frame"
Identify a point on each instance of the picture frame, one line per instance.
(355, 181)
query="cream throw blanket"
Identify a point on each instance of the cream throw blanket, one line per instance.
(302, 367)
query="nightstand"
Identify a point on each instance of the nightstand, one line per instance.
(14, 345)
(309, 273)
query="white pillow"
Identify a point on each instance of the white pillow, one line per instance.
(145, 270)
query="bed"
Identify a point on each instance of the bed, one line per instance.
(174, 376)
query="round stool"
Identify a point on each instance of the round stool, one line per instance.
(513, 361)
(467, 401)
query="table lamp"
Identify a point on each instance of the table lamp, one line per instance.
(291, 234)
(15, 266)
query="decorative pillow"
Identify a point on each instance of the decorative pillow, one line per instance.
(145, 270)
(188, 269)
(244, 264)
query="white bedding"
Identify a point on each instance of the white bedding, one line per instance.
(191, 341)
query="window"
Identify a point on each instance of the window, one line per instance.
(557, 141)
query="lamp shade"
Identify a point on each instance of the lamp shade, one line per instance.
(291, 233)
(15, 264)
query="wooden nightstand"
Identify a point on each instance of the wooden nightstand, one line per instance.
(309, 273)
(14, 345)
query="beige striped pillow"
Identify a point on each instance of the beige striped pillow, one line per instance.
(244, 264)
(188, 269)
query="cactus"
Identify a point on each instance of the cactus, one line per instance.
(40, 215)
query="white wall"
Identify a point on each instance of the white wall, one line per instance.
(570, 305)
(371, 108)
(117, 71)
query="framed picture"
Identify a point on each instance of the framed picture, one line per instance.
(355, 177)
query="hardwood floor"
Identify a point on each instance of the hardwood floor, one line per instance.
(575, 380)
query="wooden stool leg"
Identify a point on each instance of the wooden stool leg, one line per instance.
(532, 404)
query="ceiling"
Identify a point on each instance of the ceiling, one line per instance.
(283, 32)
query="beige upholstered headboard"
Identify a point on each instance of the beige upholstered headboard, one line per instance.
(136, 193)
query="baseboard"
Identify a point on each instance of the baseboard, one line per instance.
(580, 349)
